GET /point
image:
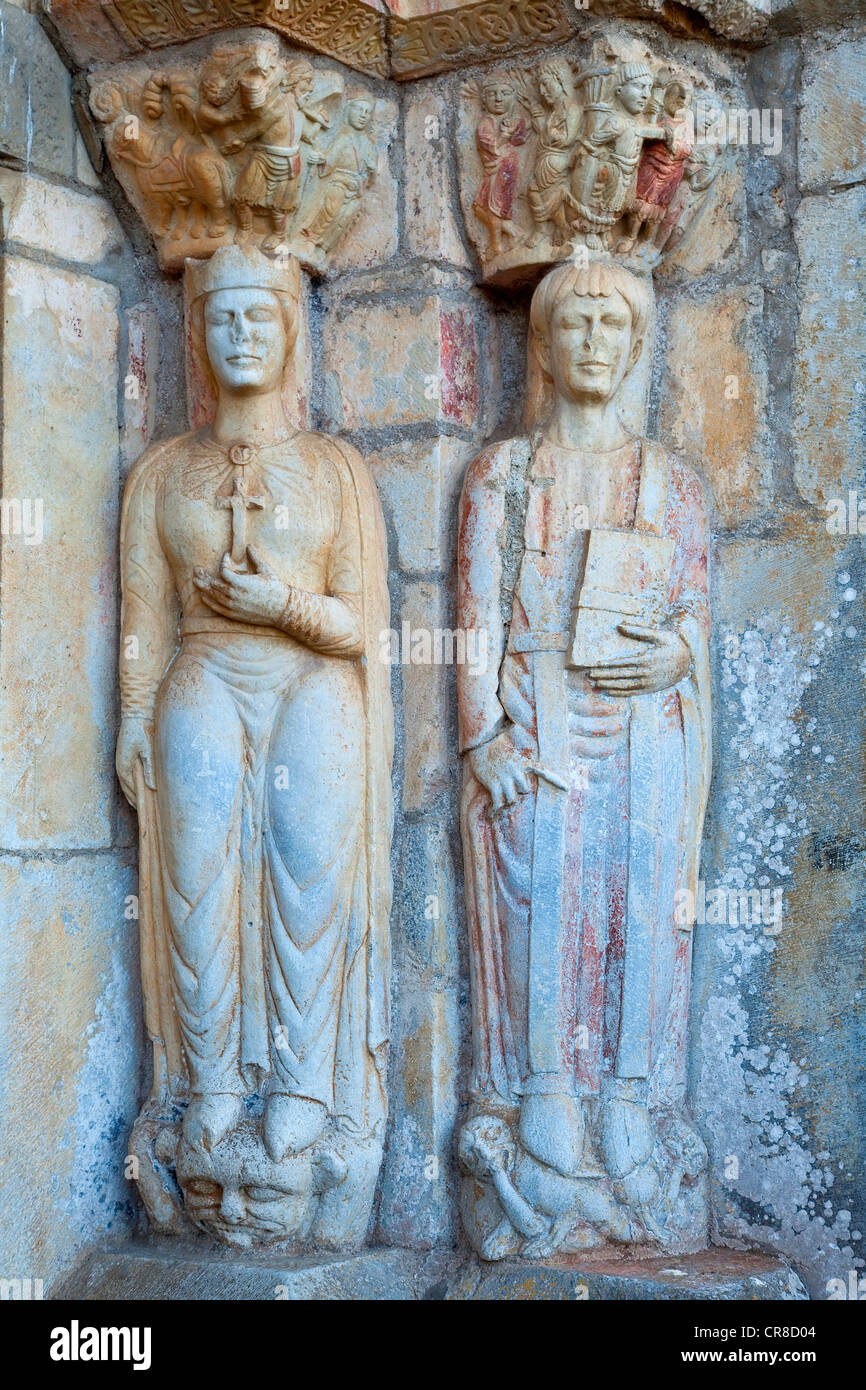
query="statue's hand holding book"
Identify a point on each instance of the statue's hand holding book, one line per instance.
(620, 637)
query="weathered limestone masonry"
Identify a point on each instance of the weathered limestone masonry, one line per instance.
(73, 311)
(414, 352)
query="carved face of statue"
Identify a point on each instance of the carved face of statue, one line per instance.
(246, 338)
(635, 93)
(497, 98)
(359, 113)
(215, 86)
(258, 78)
(236, 1194)
(239, 1195)
(591, 348)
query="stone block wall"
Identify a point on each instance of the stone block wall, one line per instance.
(758, 379)
(71, 1034)
(778, 1013)
(411, 375)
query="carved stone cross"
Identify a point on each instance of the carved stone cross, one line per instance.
(240, 502)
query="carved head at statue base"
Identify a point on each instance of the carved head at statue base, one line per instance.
(235, 1193)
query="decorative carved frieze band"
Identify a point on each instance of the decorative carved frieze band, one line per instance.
(452, 38)
(366, 36)
(350, 30)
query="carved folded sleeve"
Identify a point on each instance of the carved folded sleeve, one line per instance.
(332, 623)
(329, 623)
(479, 581)
(150, 611)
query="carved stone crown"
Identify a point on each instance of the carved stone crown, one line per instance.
(242, 267)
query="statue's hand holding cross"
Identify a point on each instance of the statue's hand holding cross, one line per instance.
(240, 501)
(257, 595)
(246, 589)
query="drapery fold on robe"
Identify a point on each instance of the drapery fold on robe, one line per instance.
(151, 613)
(517, 585)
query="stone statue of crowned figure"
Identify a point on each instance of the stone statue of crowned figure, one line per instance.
(256, 743)
(582, 555)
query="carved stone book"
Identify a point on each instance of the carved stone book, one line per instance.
(625, 580)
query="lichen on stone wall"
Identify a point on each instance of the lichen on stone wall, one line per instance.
(755, 1088)
(100, 1196)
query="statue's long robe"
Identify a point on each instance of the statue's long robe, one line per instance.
(580, 958)
(265, 883)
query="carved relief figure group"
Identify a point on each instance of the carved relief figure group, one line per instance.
(581, 156)
(253, 145)
(257, 725)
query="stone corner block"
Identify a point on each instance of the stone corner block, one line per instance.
(832, 136)
(431, 229)
(58, 632)
(829, 383)
(69, 948)
(37, 126)
(419, 482)
(424, 646)
(61, 222)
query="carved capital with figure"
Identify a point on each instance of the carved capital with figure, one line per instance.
(251, 144)
(614, 150)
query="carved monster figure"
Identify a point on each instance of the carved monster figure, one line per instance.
(499, 134)
(348, 167)
(583, 557)
(257, 752)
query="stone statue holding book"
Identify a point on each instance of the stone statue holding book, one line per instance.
(586, 741)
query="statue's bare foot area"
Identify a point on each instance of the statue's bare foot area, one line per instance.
(209, 1118)
(292, 1124)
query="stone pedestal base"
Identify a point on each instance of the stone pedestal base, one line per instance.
(723, 1275)
(171, 1271)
